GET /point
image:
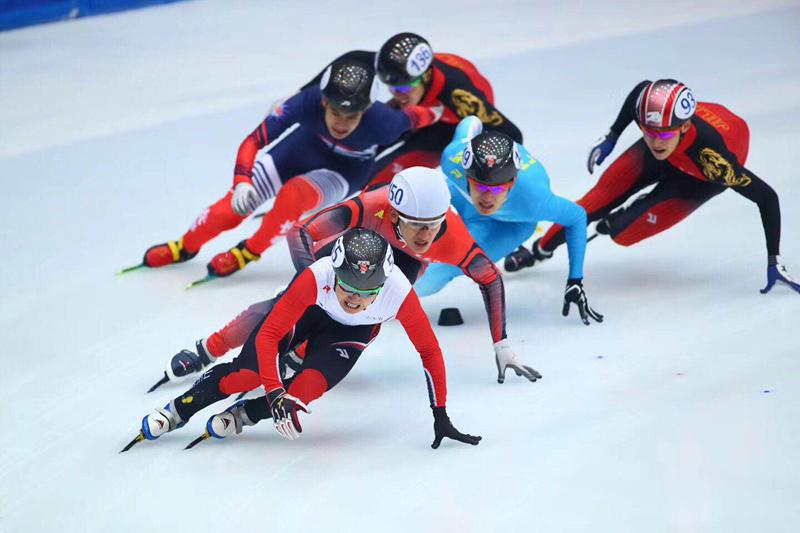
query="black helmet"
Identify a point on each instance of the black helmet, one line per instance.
(403, 58)
(491, 157)
(362, 259)
(347, 84)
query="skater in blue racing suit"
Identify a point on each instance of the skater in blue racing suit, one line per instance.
(502, 193)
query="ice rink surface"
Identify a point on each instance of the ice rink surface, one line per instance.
(680, 413)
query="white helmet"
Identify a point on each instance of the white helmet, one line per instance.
(420, 192)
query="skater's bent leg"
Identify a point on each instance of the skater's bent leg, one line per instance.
(670, 202)
(332, 351)
(236, 332)
(240, 375)
(204, 392)
(497, 238)
(212, 221)
(435, 278)
(298, 195)
(629, 173)
(308, 384)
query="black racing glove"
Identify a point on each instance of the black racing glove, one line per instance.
(442, 427)
(574, 294)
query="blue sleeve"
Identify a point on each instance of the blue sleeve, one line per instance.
(456, 179)
(451, 159)
(573, 218)
(387, 123)
(468, 128)
(498, 238)
(301, 107)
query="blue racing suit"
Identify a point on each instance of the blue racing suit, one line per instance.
(529, 201)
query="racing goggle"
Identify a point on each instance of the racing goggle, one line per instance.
(660, 134)
(494, 189)
(419, 225)
(364, 293)
(403, 89)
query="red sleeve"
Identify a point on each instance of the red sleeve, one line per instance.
(418, 328)
(423, 116)
(463, 251)
(301, 294)
(483, 271)
(246, 157)
(307, 237)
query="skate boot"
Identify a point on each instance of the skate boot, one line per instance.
(539, 253)
(522, 258)
(229, 422)
(233, 260)
(603, 227)
(167, 253)
(518, 259)
(160, 421)
(187, 362)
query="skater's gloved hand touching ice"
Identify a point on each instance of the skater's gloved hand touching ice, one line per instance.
(574, 294)
(505, 358)
(442, 427)
(777, 272)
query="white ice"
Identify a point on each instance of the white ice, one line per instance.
(679, 413)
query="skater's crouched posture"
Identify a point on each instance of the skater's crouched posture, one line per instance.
(336, 305)
(692, 151)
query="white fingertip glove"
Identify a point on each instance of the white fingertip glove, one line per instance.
(245, 198)
(505, 358)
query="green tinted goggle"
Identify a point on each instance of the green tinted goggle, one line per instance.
(361, 292)
(406, 88)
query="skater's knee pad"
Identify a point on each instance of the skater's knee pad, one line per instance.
(330, 185)
(300, 194)
(308, 385)
(239, 381)
(296, 197)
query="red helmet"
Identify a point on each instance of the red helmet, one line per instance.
(665, 105)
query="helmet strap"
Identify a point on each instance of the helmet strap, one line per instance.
(396, 226)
